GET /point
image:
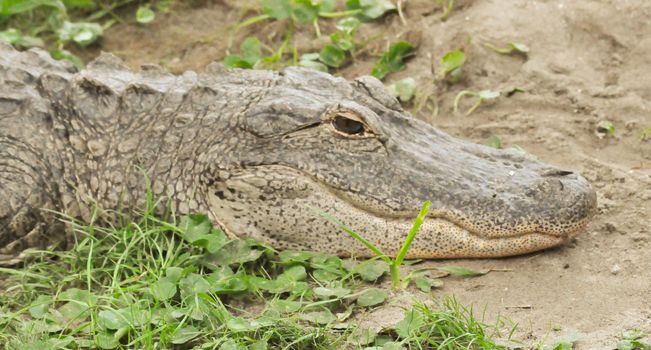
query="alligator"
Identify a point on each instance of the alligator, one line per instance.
(258, 151)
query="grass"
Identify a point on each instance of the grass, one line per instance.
(153, 283)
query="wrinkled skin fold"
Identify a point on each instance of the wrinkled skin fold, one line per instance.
(259, 151)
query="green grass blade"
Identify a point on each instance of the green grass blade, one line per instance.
(412, 234)
(355, 235)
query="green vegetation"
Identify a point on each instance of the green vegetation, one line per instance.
(57, 24)
(403, 89)
(511, 48)
(494, 141)
(633, 340)
(393, 60)
(397, 282)
(606, 127)
(155, 283)
(481, 96)
(451, 66)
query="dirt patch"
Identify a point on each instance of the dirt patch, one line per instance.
(589, 61)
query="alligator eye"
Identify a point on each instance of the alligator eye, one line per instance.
(347, 125)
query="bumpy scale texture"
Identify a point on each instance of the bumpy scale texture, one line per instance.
(261, 152)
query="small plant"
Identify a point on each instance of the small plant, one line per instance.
(605, 127)
(145, 15)
(251, 55)
(393, 60)
(645, 133)
(494, 141)
(511, 48)
(370, 9)
(298, 11)
(448, 6)
(481, 96)
(403, 89)
(633, 340)
(566, 343)
(451, 66)
(394, 264)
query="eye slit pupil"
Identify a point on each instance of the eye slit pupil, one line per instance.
(347, 125)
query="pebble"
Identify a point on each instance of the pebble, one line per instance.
(615, 269)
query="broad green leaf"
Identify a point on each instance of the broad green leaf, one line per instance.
(230, 344)
(288, 256)
(372, 270)
(310, 60)
(278, 9)
(82, 33)
(195, 226)
(318, 317)
(403, 89)
(348, 25)
(372, 297)
(392, 346)
(252, 50)
(294, 273)
(494, 142)
(12, 7)
(239, 324)
(410, 324)
(488, 94)
(633, 334)
(566, 343)
(234, 252)
(84, 4)
(145, 15)
(305, 10)
(231, 285)
(325, 275)
(331, 292)
(423, 283)
(174, 273)
(393, 60)
(452, 60)
(259, 345)
(68, 56)
(15, 37)
(371, 9)
(193, 284)
(332, 56)
(39, 307)
(106, 340)
(237, 61)
(459, 271)
(111, 319)
(185, 334)
(163, 289)
(285, 306)
(342, 41)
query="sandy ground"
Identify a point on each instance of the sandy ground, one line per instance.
(589, 61)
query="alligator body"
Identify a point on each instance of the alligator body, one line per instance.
(258, 151)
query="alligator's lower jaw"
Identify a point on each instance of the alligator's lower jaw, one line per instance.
(441, 239)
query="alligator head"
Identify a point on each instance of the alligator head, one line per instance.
(260, 151)
(349, 149)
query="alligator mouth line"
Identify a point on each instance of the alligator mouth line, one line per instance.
(446, 215)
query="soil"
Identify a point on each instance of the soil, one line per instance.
(589, 61)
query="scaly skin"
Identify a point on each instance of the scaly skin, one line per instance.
(258, 151)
